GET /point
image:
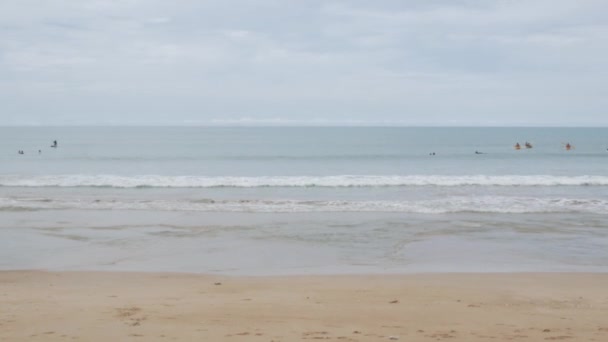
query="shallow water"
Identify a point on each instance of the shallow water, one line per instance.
(304, 200)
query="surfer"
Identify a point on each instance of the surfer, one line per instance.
(477, 152)
(54, 144)
(528, 145)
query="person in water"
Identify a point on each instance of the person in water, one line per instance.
(517, 146)
(54, 143)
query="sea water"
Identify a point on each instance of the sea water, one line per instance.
(291, 200)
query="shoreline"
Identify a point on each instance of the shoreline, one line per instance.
(99, 306)
(249, 243)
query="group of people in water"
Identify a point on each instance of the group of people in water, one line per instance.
(54, 145)
(567, 146)
(517, 146)
(527, 145)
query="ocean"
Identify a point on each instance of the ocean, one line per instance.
(302, 200)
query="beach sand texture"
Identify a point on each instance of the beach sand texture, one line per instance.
(103, 306)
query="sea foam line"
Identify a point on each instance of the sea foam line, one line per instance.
(451, 204)
(157, 181)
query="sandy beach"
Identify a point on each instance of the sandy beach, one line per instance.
(102, 306)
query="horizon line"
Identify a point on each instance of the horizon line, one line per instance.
(299, 126)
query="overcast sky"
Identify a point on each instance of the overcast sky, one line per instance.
(195, 62)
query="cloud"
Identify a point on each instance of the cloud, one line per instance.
(432, 62)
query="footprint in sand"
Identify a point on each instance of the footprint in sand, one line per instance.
(316, 335)
(442, 334)
(130, 315)
(553, 338)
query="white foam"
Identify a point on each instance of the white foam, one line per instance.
(452, 204)
(115, 181)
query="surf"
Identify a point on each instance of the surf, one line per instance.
(337, 181)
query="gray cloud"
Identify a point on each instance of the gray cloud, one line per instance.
(534, 62)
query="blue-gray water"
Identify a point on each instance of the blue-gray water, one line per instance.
(304, 200)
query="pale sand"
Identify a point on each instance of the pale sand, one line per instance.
(97, 306)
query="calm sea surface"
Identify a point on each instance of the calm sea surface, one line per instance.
(304, 200)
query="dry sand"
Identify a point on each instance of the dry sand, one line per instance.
(98, 306)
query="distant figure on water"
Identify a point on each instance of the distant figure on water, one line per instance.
(432, 154)
(477, 152)
(54, 144)
(517, 146)
(528, 145)
(20, 152)
(568, 147)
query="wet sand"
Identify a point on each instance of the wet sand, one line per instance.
(104, 306)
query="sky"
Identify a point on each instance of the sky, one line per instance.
(277, 62)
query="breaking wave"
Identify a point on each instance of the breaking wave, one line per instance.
(452, 204)
(155, 181)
